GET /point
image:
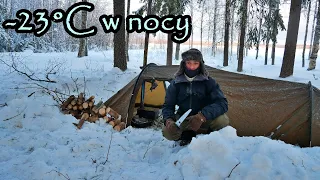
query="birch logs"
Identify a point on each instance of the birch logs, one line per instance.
(85, 110)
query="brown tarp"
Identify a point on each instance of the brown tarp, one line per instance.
(257, 106)
(315, 125)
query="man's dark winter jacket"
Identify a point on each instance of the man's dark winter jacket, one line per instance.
(202, 94)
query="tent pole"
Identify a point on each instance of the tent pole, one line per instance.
(142, 94)
(311, 110)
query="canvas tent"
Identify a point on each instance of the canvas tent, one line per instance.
(278, 109)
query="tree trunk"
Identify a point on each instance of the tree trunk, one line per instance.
(209, 29)
(238, 45)
(266, 52)
(127, 38)
(231, 31)
(259, 33)
(119, 40)
(291, 39)
(314, 20)
(169, 49)
(192, 28)
(242, 34)
(247, 22)
(9, 48)
(268, 36)
(226, 33)
(201, 25)
(306, 34)
(146, 47)
(83, 49)
(274, 38)
(146, 39)
(214, 44)
(273, 52)
(177, 51)
(315, 46)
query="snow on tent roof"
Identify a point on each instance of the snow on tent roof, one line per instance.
(283, 110)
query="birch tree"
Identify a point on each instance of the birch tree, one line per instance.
(83, 48)
(313, 22)
(214, 39)
(315, 46)
(306, 32)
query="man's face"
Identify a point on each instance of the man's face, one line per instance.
(192, 64)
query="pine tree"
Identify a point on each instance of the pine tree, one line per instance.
(166, 7)
(291, 40)
(226, 33)
(127, 35)
(146, 38)
(259, 33)
(232, 28)
(277, 24)
(242, 34)
(119, 41)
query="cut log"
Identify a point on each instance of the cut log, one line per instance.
(86, 111)
(120, 126)
(67, 102)
(73, 102)
(91, 104)
(107, 119)
(80, 99)
(76, 114)
(93, 118)
(88, 103)
(84, 117)
(80, 107)
(69, 107)
(102, 112)
(96, 108)
(75, 107)
(115, 122)
(91, 98)
(113, 113)
(85, 105)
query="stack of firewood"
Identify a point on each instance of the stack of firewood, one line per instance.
(86, 110)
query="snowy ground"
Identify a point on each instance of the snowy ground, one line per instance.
(42, 143)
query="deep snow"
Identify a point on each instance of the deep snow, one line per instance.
(42, 143)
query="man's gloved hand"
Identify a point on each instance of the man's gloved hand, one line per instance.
(195, 121)
(171, 126)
